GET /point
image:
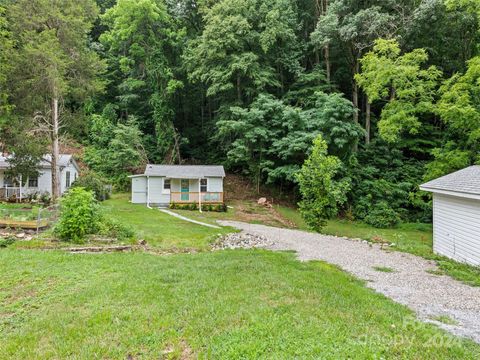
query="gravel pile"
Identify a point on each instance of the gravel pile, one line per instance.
(242, 240)
(411, 280)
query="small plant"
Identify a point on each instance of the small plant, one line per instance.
(383, 269)
(4, 242)
(79, 215)
(116, 229)
(94, 182)
(382, 216)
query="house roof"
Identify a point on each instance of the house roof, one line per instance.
(185, 171)
(63, 161)
(465, 183)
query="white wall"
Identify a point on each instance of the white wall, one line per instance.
(63, 177)
(139, 190)
(157, 195)
(215, 184)
(456, 228)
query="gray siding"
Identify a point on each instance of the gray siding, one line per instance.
(157, 195)
(456, 228)
(215, 184)
(139, 190)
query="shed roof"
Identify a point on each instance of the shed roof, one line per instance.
(185, 171)
(465, 182)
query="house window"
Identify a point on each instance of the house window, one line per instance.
(33, 182)
(67, 181)
(166, 185)
(8, 181)
(203, 185)
(74, 177)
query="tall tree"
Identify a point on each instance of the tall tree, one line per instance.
(408, 88)
(140, 45)
(54, 70)
(356, 25)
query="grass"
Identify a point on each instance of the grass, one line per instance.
(445, 319)
(413, 238)
(159, 229)
(220, 305)
(383, 269)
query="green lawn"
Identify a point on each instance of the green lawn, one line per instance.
(221, 305)
(159, 229)
(411, 237)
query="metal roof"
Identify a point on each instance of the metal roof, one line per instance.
(465, 182)
(185, 171)
(63, 161)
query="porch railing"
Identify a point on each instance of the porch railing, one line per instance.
(192, 197)
(9, 192)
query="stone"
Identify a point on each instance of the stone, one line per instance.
(242, 241)
(262, 201)
(20, 235)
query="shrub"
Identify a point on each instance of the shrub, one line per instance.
(79, 215)
(322, 193)
(116, 229)
(94, 182)
(382, 216)
(4, 242)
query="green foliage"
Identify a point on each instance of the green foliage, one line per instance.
(123, 155)
(384, 180)
(382, 216)
(410, 90)
(115, 229)
(322, 194)
(92, 181)
(270, 139)
(194, 206)
(79, 215)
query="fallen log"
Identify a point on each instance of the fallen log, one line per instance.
(100, 248)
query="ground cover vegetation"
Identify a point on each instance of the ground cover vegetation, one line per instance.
(389, 85)
(207, 305)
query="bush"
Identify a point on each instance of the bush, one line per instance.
(116, 229)
(382, 216)
(79, 215)
(4, 242)
(194, 206)
(94, 182)
(320, 187)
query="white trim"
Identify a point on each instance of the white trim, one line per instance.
(451, 193)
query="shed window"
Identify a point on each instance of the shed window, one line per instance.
(203, 185)
(33, 182)
(67, 181)
(166, 185)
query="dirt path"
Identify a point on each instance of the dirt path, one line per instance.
(411, 281)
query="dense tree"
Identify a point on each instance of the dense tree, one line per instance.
(53, 68)
(400, 79)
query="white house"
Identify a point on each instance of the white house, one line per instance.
(456, 215)
(68, 168)
(161, 185)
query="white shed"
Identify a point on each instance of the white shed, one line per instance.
(456, 215)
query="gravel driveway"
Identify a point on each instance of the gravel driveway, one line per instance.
(411, 284)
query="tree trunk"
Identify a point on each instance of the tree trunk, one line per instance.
(355, 98)
(326, 50)
(55, 152)
(239, 89)
(367, 120)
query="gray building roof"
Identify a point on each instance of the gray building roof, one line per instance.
(63, 161)
(465, 182)
(185, 171)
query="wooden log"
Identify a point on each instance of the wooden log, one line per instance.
(99, 248)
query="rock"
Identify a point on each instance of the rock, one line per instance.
(142, 242)
(20, 235)
(242, 240)
(262, 201)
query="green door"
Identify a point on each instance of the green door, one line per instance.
(185, 188)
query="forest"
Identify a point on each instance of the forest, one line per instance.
(348, 105)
